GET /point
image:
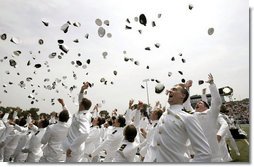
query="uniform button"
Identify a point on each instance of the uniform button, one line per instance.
(158, 144)
(159, 132)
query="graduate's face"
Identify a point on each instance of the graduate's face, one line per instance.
(95, 121)
(175, 95)
(154, 115)
(116, 123)
(200, 106)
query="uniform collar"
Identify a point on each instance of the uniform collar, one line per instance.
(154, 122)
(176, 107)
(201, 113)
(83, 112)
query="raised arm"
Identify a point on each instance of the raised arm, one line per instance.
(83, 88)
(187, 103)
(198, 141)
(223, 127)
(61, 101)
(203, 96)
(128, 113)
(215, 97)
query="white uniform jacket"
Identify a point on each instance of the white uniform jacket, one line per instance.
(174, 128)
(54, 137)
(110, 144)
(126, 152)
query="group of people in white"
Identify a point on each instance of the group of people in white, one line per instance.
(177, 134)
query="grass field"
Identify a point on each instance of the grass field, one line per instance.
(243, 147)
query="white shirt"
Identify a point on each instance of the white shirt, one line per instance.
(126, 152)
(208, 122)
(35, 146)
(2, 130)
(149, 138)
(174, 128)
(223, 129)
(53, 137)
(93, 140)
(78, 131)
(19, 156)
(110, 144)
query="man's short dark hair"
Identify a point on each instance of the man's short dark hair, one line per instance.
(110, 123)
(121, 120)
(113, 118)
(130, 132)
(86, 103)
(100, 121)
(44, 123)
(184, 91)
(159, 113)
(64, 116)
(22, 122)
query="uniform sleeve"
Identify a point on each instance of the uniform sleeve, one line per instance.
(84, 129)
(80, 97)
(198, 140)
(128, 116)
(5, 118)
(137, 118)
(2, 126)
(20, 128)
(45, 138)
(106, 143)
(216, 100)
(103, 145)
(187, 104)
(223, 126)
(93, 135)
(34, 128)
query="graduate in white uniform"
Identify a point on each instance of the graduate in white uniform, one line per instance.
(229, 136)
(19, 156)
(112, 141)
(13, 143)
(174, 128)
(223, 129)
(34, 147)
(148, 135)
(221, 134)
(94, 138)
(79, 130)
(2, 134)
(207, 117)
(10, 137)
(54, 137)
(128, 147)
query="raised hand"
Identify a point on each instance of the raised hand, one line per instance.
(210, 79)
(61, 101)
(131, 103)
(84, 86)
(188, 84)
(140, 105)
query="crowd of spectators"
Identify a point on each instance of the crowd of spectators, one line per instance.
(239, 110)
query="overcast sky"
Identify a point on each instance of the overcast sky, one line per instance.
(225, 53)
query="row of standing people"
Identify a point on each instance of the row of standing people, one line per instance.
(171, 135)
